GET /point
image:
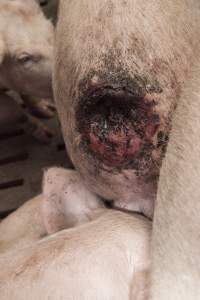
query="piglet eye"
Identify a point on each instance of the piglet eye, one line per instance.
(24, 58)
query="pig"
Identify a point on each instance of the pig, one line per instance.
(74, 263)
(26, 55)
(51, 211)
(119, 70)
(23, 227)
(175, 241)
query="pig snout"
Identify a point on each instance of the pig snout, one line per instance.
(116, 125)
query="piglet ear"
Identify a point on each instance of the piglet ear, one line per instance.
(2, 49)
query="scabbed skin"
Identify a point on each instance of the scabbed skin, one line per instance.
(120, 67)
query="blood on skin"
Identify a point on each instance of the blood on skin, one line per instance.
(117, 126)
(117, 146)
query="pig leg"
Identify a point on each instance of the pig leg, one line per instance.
(37, 129)
(176, 239)
(66, 200)
(11, 113)
(40, 108)
(117, 77)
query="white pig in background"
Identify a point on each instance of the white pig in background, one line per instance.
(105, 256)
(26, 54)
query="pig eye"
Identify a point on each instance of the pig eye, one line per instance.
(24, 58)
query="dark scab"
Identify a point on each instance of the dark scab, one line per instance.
(155, 119)
(162, 138)
(117, 85)
(154, 88)
(118, 79)
(113, 125)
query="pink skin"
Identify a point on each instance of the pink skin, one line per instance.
(119, 71)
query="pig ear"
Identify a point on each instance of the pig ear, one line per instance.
(2, 49)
